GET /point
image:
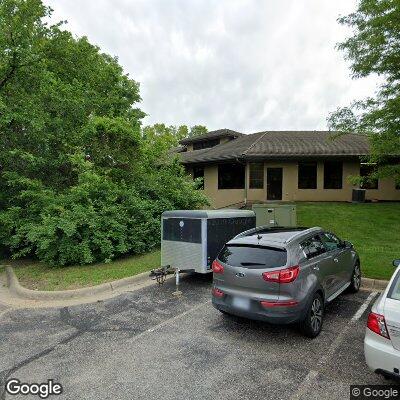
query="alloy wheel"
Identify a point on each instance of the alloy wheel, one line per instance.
(357, 277)
(316, 315)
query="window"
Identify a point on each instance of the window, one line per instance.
(333, 175)
(394, 291)
(205, 144)
(253, 257)
(365, 171)
(182, 230)
(256, 176)
(313, 247)
(330, 241)
(231, 176)
(307, 175)
(198, 172)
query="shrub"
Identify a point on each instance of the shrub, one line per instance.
(79, 182)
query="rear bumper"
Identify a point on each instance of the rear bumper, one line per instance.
(380, 355)
(273, 315)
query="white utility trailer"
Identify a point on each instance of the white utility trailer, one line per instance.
(192, 239)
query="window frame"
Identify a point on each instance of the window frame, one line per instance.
(304, 163)
(331, 186)
(206, 144)
(339, 241)
(308, 239)
(393, 286)
(259, 180)
(370, 184)
(240, 184)
(199, 176)
(258, 250)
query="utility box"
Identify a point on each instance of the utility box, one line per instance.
(275, 214)
(192, 239)
(358, 196)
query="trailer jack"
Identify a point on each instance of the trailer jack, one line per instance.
(177, 291)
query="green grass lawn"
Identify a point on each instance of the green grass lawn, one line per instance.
(373, 228)
(34, 275)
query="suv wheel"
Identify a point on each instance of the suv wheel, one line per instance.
(312, 324)
(355, 282)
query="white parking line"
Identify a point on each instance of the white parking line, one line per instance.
(313, 374)
(364, 306)
(169, 320)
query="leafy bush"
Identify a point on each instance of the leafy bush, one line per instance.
(80, 182)
(95, 220)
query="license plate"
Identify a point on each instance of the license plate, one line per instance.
(241, 302)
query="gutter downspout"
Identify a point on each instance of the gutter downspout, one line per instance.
(246, 168)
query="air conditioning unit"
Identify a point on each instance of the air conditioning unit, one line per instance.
(192, 239)
(275, 214)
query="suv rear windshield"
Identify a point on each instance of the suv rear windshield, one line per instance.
(254, 257)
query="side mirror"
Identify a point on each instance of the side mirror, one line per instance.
(396, 263)
(347, 244)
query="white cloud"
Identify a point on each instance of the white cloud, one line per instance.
(247, 65)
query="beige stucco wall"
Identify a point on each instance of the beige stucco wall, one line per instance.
(219, 198)
(386, 191)
(290, 192)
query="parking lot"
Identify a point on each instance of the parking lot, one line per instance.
(151, 344)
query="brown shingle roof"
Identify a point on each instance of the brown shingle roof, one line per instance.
(220, 133)
(283, 144)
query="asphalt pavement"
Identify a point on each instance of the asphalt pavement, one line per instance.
(151, 344)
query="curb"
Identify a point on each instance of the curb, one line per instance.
(367, 283)
(109, 287)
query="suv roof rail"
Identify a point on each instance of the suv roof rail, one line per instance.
(268, 229)
(305, 231)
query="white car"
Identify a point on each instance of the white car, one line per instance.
(382, 337)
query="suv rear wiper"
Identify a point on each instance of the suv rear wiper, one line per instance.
(247, 264)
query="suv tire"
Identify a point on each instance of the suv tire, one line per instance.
(311, 326)
(355, 282)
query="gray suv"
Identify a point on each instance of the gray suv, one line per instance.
(284, 275)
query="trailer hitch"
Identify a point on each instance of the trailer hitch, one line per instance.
(160, 274)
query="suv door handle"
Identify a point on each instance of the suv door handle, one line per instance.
(336, 260)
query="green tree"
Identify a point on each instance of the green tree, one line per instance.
(77, 184)
(197, 130)
(160, 139)
(374, 49)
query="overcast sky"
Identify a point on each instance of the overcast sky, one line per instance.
(247, 65)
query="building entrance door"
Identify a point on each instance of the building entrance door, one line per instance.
(274, 183)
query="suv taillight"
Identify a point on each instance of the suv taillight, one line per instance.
(217, 267)
(376, 323)
(286, 275)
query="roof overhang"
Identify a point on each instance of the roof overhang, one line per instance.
(276, 158)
